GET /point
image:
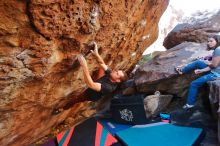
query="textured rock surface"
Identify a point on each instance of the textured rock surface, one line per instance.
(159, 74)
(214, 88)
(39, 40)
(154, 104)
(195, 29)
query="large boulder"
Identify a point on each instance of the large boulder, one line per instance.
(39, 43)
(194, 29)
(159, 73)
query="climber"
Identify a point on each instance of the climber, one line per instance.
(210, 68)
(106, 85)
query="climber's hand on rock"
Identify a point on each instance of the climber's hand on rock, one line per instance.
(95, 51)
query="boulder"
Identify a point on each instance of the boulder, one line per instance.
(214, 88)
(159, 73)
(153, 104)
(194, 29)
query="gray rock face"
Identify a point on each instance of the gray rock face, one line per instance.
(196, 29)
(159, 73)
(214, 88)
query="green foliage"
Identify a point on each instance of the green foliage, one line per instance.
(145, 58)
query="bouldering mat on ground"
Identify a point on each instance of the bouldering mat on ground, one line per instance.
(160, 134)
(93, 132)
(112, 126)
(88, 133)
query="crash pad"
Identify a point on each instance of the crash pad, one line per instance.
(160, 134)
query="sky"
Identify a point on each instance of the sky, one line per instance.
(190, 6)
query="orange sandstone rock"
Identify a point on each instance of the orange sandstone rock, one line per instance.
(39, 41)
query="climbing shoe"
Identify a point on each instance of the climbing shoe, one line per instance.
(187, 106)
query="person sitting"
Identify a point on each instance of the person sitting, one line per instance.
(210, 68)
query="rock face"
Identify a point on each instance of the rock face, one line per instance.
(214, 87)
(39, 43)
(195, 29)
(159, 74)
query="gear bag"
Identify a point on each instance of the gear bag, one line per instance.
(128, 109)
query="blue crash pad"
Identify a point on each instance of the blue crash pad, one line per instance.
(160, 134)
(113, 127)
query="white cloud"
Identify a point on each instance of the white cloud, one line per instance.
(191, 6)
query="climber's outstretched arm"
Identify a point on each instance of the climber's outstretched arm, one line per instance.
(88, 79)
(98, 57)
